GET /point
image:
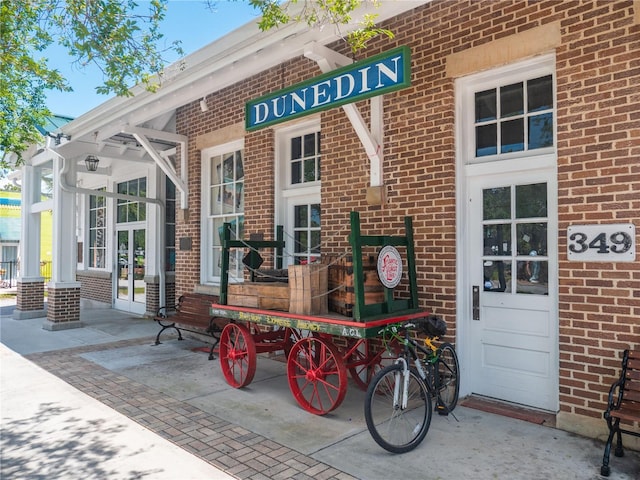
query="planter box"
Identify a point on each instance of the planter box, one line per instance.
(308, 289)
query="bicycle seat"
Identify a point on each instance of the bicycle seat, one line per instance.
(432, 326)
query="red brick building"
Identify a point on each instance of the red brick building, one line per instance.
(515, 149)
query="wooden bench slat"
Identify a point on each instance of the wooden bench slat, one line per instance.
(625, 416)
(633, 375)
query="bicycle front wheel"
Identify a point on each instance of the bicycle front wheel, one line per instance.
(396, 428)
(448, 385)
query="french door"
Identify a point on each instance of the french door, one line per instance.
(130, 269)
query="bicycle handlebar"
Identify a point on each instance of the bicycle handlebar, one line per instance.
(432, 326)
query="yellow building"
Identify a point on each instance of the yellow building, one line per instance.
(10, 223)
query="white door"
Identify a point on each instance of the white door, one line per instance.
(130, 269)
(512, 323)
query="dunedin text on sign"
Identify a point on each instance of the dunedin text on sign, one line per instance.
(613, 242)
(374, 76)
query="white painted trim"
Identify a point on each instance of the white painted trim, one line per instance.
(544, 160)
(371, 140)
(240, 54)
(205, 233)
(286, 194)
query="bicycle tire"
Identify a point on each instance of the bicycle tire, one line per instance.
(447, 378)
(394, 429)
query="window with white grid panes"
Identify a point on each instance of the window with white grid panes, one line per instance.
(224, 196)
(97, 230)
(306, 232)
(132, 210)
(304, 162)
(517, 117)
(170, 226)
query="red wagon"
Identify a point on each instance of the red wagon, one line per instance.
(317, 364)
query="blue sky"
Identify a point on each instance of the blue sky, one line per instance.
(189, 21)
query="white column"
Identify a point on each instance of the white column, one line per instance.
(64, 227)
(30, 232)
(30, 298)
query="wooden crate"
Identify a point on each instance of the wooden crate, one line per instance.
(268, 296)
(308, 289)
(340, 283)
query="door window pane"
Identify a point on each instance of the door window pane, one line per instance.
(531, 200)
(533, 276)
(124, 265)
(139, 264)
(497, 275)
(532, 237)
(497, 239)
(496, 203)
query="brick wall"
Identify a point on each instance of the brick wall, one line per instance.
(63, 305)
(30, 296)
(96, 286)
(598, 72)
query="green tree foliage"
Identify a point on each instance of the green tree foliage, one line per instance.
(122, 39)
(320, 13)
(119, 37)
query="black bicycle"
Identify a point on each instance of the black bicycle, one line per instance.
(399, 405)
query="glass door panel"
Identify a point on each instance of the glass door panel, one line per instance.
(131, 288)
(124, 265)
(139, 261)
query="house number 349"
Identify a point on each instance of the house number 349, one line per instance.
(601, 243)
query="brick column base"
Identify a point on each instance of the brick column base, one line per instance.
(30, 299)
(63, 309)
(153, 298)
(153, 293)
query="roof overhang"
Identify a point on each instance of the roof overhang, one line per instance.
(240, 54)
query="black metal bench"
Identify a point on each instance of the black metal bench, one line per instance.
(623, 406)
(192, 314)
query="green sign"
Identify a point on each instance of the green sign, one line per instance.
(373, 76)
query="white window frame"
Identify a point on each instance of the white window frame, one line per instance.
(87, 250)
(494, 78)
(206, 231)
(468, 165)
(288, 194)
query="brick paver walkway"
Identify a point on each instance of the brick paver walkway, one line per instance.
(231, 448)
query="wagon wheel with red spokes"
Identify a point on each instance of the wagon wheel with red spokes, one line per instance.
(317, 376)
(363, 362)
(238, 357)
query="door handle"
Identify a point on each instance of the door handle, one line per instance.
(475, 294)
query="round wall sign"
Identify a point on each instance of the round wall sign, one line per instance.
(389, 266)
